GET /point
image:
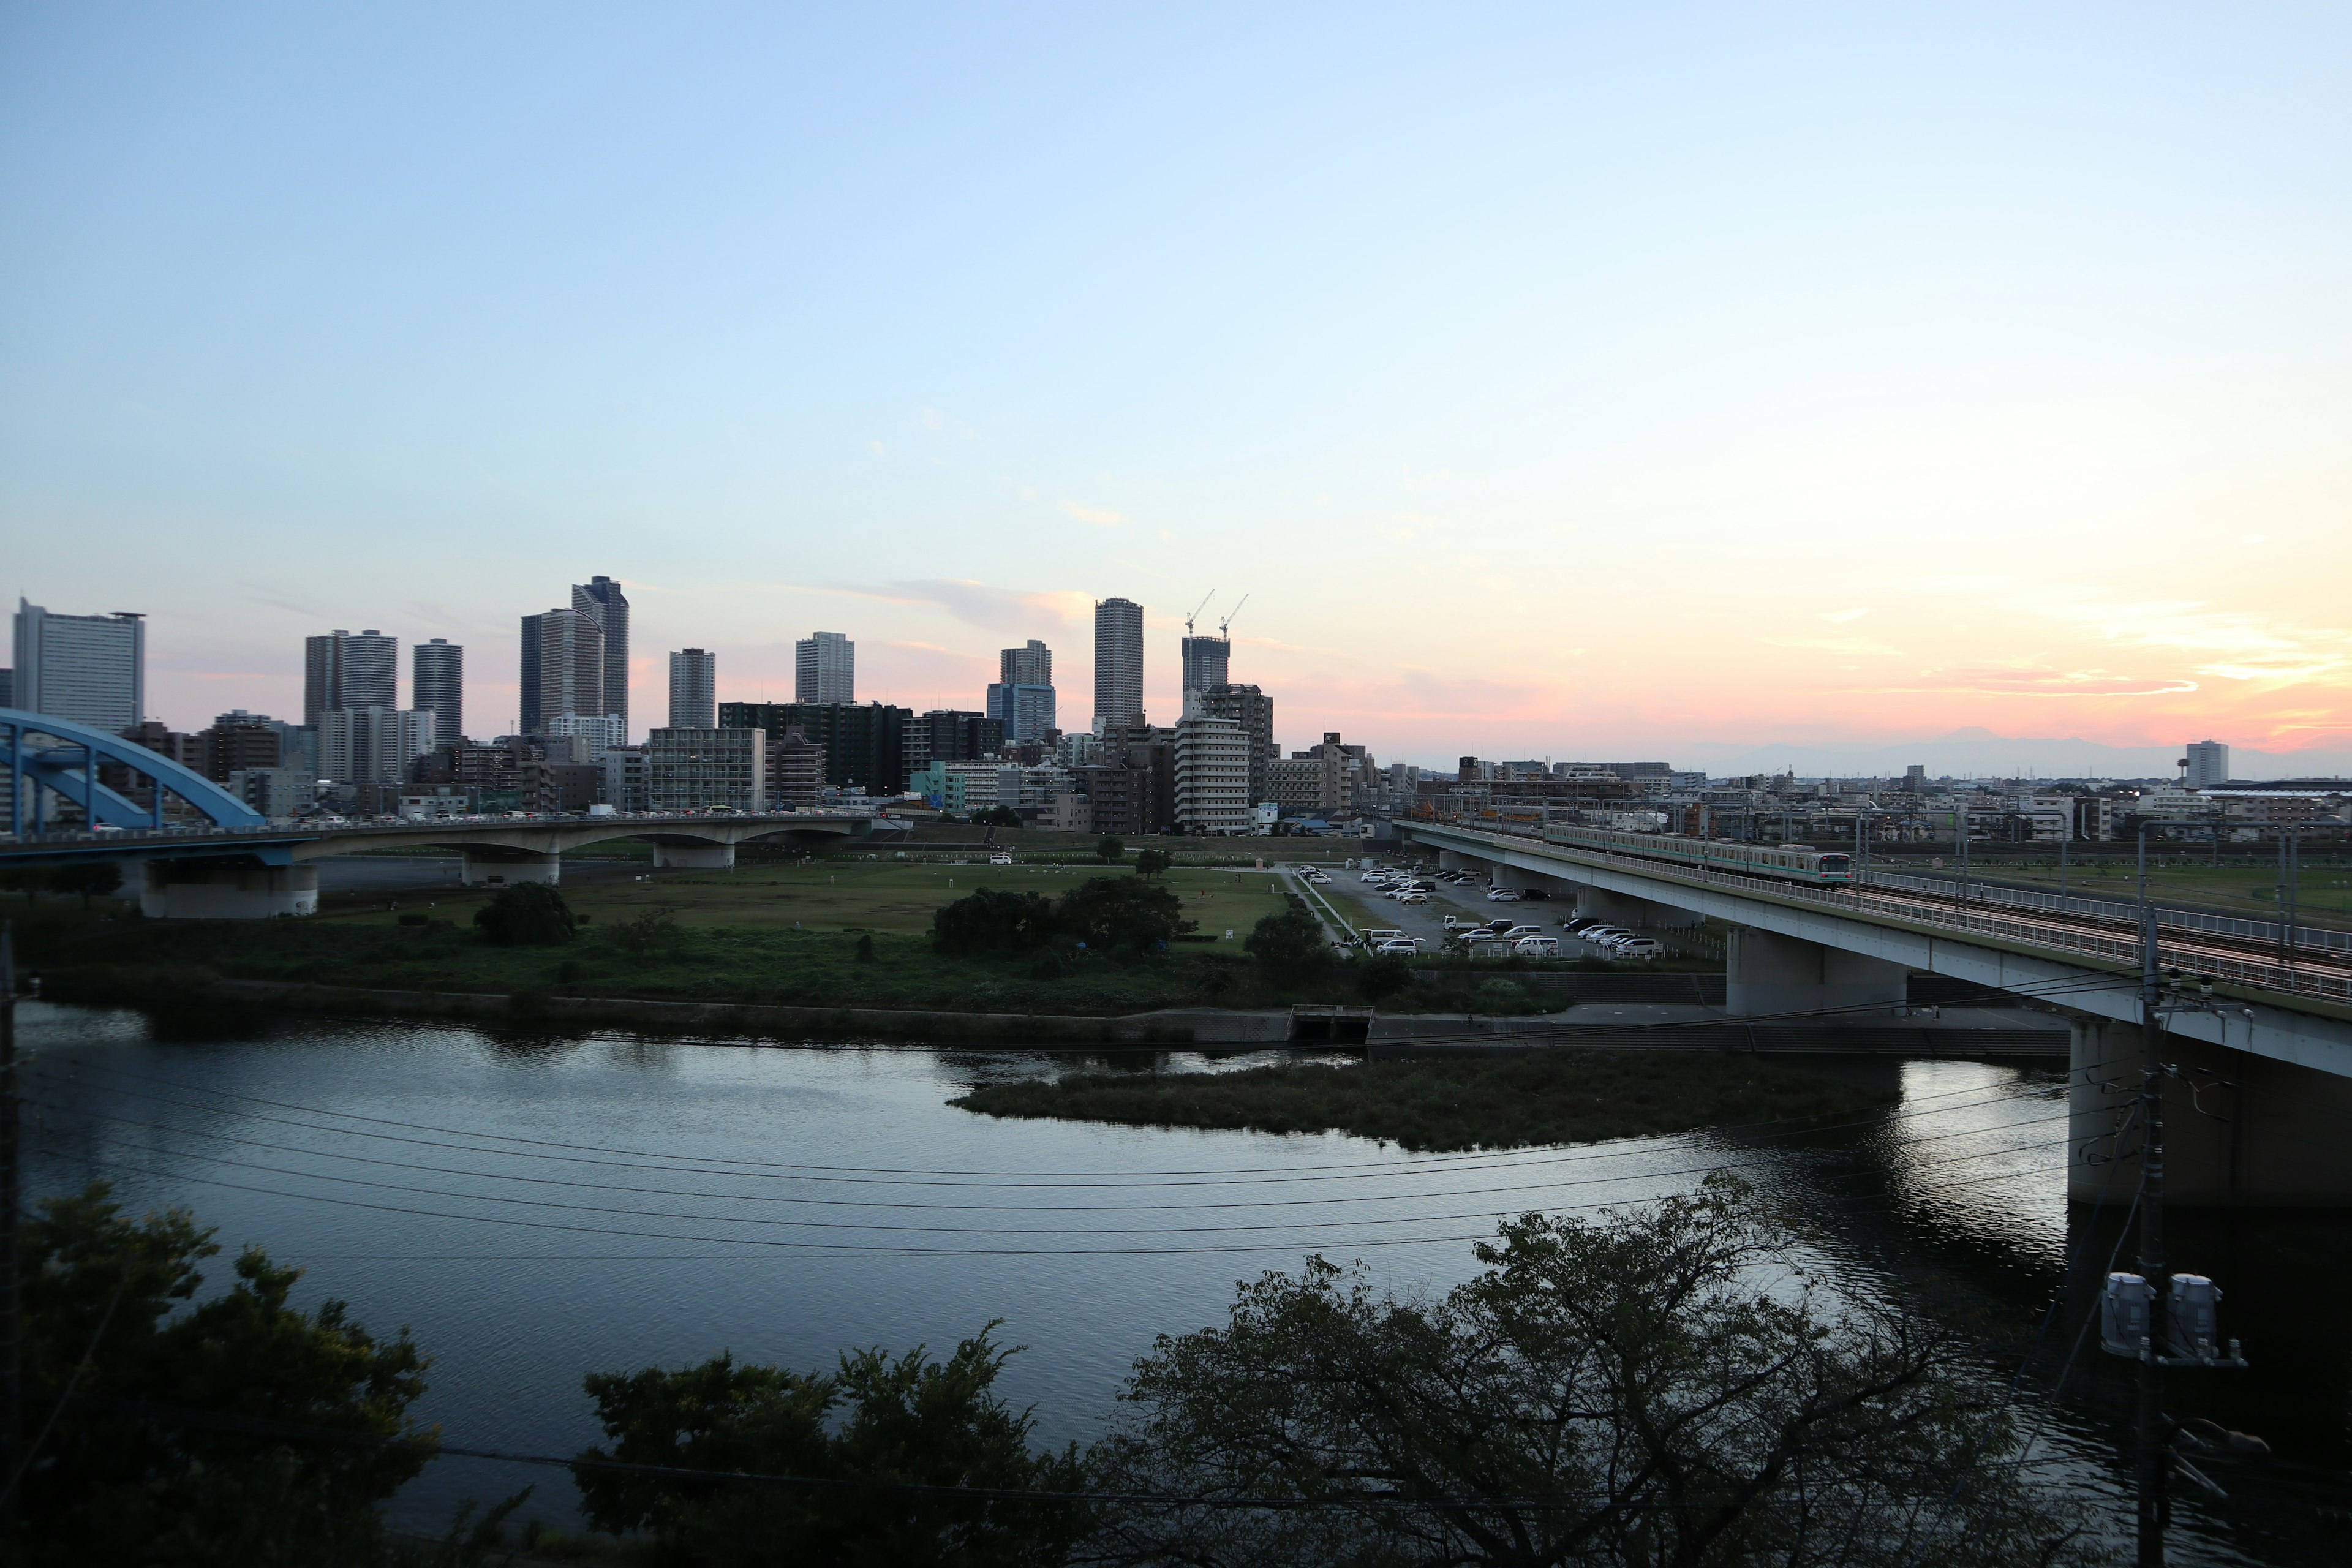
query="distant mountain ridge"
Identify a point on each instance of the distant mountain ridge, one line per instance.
(1980, 752)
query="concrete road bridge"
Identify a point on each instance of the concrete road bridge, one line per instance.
(2259, 1110)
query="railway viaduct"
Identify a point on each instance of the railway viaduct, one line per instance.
(2259, 1113)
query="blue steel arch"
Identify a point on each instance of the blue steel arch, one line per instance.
(69, 766)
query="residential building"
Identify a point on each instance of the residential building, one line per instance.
(436, 684)
(571, 676)
(1207, 662)
(795, 771)
(597, 733)
(1253, 709)
(1077, 748)
(865, 744)
(275, 793)
(624, 787)
(91, 670)
(1294, 784)
(824, 668)
(1031, 789)
(693, 689)
(2207, 764)
(241, 743)
(1119, 664)
(1340, 771)
(2170, 804)
(959, 785)
(342, 669)
(372, 745)
(952, 734)
(1029, 665)
(1914, 778)
(1148, 753)
(1212, 775)
(706, 769)
(7, 688)
(1072, 813)
(602, 601)
(1119, 799)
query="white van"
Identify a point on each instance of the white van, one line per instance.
(1373, 938)
(1536, 947)
(1641, 947)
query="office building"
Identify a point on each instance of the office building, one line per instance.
(89, 668)
(1212, 775)
(1119, 664)
(693, 689)
(602, 601)
(703, 770)
(342, 669)
(1207, 662)
(1914, 778)
(372, 745)
(2207, 764)
(562, 667)
(436, 684)
(1023, 699)
(865, 744)
(951, 735)
(1253, 709)
(824, 668)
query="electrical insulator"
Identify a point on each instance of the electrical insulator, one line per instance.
(2192, 1322)
(2123, 1314)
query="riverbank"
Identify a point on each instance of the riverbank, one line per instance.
(1440, 1106)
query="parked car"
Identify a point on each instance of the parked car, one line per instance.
(1501, 896)
(1461, 922)
(1403, 946)
(1519, 933)
(1537, 946)
(1000, 859)
(1641, 947)
(1376, 935)
(1603, 933)
(1410, 898)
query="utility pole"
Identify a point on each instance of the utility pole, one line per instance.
(11, 1198)
(2152, 1459)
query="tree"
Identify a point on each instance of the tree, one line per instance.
(865, 954)
(997, 816)
(126, 1476)
(90, 879)
(528, 914)
(911, 1419)
(1153, 862)
(1108, 849)
(1113, 913)
(994, 921)
(1666, 1387)
(1291, 940)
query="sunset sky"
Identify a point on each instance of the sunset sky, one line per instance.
(1558, 380)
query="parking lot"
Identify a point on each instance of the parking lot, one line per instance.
(1465, 900)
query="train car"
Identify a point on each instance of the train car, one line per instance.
(1792, 863)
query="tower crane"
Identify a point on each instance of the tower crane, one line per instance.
(1197, 609)
(1224, 625)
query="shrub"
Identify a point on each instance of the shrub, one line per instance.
(1502, 996)
(866, 948)
(1152, 862)
(647, 931)
(1113, 913)
(1107, 848)
(531, 914)
(1383, 975)
(994, 921)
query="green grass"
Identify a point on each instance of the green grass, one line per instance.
(2240, 885)
(1435, 1105)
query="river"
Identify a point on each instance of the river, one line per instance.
(537, 1207)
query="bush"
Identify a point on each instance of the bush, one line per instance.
(531, 914)
(1502, 996)
(994, 921)
(91, 880)
(1152, 862)
(1291, 940)
(1109, 848)
(647, 932)
(1108, 913)
(866, 948)
(997, 816)
(1383, 975)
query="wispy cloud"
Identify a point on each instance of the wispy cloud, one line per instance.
(2017, 680)
(2231, 645)
(1099, 516)
(1839, 618)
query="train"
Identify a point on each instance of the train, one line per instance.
(1790, 862)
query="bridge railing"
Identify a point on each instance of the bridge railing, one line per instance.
(2335, 987)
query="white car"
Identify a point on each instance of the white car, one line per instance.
(1000, 859)
(1403, 946)
(1521, 933)
(1537, 946)
(1502, 896)
(1409, 898)
(1641, 947)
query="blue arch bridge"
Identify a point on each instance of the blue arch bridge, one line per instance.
(212, 857)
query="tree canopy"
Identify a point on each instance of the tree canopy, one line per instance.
(1291, 940)
(1106, 913)
(528, 914)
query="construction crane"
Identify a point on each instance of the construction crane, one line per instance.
(1224, 626)
(1197, 609)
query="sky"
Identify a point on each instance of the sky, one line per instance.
(1557, 381)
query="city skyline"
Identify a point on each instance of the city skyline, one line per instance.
(1925, 377)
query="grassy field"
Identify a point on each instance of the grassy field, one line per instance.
(1551, 1097)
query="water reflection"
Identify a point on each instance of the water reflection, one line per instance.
(538, 1207)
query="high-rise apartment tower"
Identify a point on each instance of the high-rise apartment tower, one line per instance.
(1119, 664)
(1207, 662)
(2209, 764)
(563, 667)
(436, 685)
(342, 669)
(693, 689)
(600, 599)
(824, 668)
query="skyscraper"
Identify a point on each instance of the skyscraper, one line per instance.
(693, 689)
(436, 685)
(2209, 764)
(568, 674)
(601, 598)
(1207, 662)
(89, 668)
(1023, 699)
(1119, 664)
(344, 671)
(824, 668)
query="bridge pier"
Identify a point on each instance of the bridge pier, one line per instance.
(504, 867)
(693, 857)
(1769, 973)
(2240, 1129)
(200, 890)
(1624, 910)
